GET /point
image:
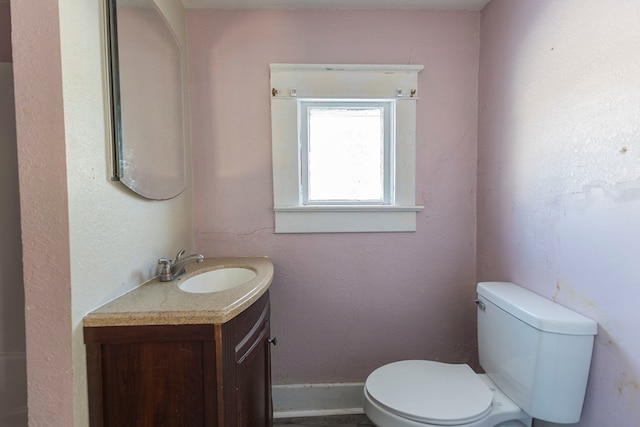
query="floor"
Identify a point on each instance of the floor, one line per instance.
(334, 421)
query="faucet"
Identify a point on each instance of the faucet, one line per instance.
(171, 270)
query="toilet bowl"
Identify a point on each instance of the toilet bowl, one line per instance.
(536, 355)
(424, 393)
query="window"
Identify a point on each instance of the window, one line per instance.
(343, 141)
(345, 151)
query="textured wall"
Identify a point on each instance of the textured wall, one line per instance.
(43, 204)
(86, 239)
(559, 174)
(342, 303)
(115, 236)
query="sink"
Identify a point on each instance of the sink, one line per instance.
(218, 280)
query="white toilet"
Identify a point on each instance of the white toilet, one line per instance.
(536, 355)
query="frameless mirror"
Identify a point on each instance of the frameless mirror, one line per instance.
(146, 100)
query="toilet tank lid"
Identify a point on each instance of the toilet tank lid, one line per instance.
(537, 311)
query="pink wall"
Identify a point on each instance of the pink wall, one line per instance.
(559, 174)
(43, 206)
(342, 303)
(72, 214)
(5, 33)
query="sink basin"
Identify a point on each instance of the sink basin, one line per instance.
(219, 280)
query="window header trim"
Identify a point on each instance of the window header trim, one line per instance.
(377, 68)
(337, 81)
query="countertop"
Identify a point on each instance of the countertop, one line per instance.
(163, 303)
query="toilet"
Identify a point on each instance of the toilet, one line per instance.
(536, 356)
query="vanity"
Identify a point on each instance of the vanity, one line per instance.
(159, 355)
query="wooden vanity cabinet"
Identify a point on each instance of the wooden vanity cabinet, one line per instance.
(182, 375)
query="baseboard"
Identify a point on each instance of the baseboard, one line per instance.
(315, 400)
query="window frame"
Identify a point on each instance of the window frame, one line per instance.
(291, 83)
(388, 164)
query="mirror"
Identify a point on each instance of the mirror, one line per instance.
(146, 100)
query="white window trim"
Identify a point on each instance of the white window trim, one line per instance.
(388, 106)
(289, 82)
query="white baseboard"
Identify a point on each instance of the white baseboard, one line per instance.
(315, 400)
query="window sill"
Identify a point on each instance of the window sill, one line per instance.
(345, 219)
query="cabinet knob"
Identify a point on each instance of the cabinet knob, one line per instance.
(273, 340)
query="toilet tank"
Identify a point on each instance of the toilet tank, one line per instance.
(536, 351)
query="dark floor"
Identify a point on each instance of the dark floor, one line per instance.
(334, 421)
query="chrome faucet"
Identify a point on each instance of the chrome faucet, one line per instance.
(171, 270)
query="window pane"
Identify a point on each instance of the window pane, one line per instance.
(346, 154)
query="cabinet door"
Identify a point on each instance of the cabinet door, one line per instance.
(153, 384)
(253, 393)
(247, 370)
(151, 376)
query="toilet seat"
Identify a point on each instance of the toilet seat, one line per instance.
(430, 392)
